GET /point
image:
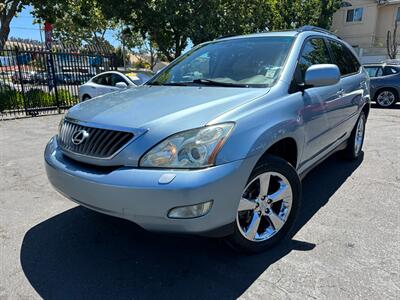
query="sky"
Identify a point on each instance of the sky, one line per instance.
(22, 27)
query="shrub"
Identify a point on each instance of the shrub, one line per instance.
(10, 99)
(39, 98)
(65, 98)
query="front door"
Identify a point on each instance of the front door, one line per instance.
(317, 101)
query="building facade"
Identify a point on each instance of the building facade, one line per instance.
(364, 24)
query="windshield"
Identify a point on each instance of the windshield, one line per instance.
(138, 78)
(243, 62)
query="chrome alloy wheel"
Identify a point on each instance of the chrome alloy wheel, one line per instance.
(264, 207)
(386, 98)
(359, 137)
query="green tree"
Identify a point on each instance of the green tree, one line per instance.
(75, 22)
(296, 13)
(171, 23)
(8, 10)
(142, 45)
(211, 19)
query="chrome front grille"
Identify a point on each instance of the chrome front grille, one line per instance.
(98, 142)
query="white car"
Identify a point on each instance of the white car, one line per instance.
(111, 81)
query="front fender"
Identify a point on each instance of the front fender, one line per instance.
(262, 123)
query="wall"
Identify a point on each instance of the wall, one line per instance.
(385, 22)
(362, 33)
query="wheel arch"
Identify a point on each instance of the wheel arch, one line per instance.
(366, 108)
(86, 96)
(389, 88)
(285, 148)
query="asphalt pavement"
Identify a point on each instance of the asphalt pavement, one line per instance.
(346, 243)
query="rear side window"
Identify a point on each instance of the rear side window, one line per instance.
(104, 79)
(374, 71)
(314, 52)
(390, 71)
(343, 58)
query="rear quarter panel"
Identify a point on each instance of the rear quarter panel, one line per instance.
(389, 81)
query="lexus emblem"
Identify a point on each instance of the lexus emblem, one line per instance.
(79, 136)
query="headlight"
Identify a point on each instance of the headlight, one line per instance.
(196, 148)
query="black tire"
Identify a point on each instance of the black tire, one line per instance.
(276, 165)
(351, 152)
(392, 94)
(86, 97)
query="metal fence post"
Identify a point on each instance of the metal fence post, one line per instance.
(21, 80)
(52, 78)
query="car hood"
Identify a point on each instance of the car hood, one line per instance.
(176, 107)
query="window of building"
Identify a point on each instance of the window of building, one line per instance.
(354, 15)
(398, 15)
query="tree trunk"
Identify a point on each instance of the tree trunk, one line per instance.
(6, 14)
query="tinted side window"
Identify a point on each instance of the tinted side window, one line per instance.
(104, 79)
(343, 58)
(115, 78)
(314, 52)
(373, 71)
(390, 71)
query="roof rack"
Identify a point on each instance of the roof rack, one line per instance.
(225, 36)
(317, 29)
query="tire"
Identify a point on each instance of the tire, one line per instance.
(386, 98)
(282, 183)
(356, 139)
(86, 97)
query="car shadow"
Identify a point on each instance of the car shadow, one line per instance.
(86, 255)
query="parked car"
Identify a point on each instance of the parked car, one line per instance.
(216, 144)
(23, 77)
(6, 86)
(385, 83)
(41, 78)
(111, 81)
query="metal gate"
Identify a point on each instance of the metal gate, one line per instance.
(35, 81)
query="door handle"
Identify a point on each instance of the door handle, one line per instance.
(340, 93)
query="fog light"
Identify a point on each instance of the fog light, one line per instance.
(191, 211)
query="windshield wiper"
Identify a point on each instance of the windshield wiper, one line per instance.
(207, 82)
(169, 83)
(219, 83)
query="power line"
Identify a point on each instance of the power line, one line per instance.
(23, 28)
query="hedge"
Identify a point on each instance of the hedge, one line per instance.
(35, 98)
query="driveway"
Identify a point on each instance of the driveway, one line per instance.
(346, 242)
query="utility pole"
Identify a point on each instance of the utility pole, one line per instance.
(123, 47)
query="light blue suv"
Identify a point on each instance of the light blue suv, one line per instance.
(216, 144)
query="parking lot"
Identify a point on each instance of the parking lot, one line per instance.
(346, 243)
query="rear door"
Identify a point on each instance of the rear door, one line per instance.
(344, 111)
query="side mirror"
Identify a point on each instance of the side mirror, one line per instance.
(322, 75)
(121, 85)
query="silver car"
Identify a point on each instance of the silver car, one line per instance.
(216, 144)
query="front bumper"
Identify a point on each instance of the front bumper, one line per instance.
(136, 194)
